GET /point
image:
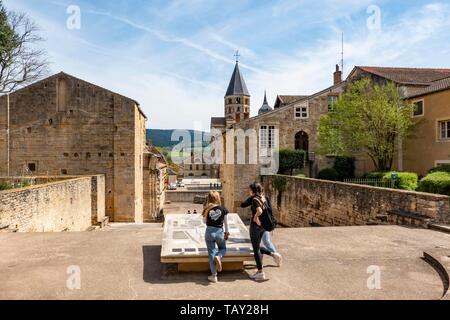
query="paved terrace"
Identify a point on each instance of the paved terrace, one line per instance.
(320, 263)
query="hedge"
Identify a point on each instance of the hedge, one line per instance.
(5, 186)
(345, 167)
(441, 168)
(330, 174)
(405, 181)
(436, 182)
(375, 175)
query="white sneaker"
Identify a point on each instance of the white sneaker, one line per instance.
(218, 263)
(277, 258)
(258, 276)
(212, 279)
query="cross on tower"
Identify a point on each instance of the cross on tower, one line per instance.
(237, 55)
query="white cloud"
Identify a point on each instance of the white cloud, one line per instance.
(180, 77)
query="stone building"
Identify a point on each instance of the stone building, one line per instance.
(429, 88)
(297, 124)
(195, 167)
(155, 183)
(66, 126)
(296, 119)
(429, 146)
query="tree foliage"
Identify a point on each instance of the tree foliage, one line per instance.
(21, 62)
(290, 160)
(369, 118)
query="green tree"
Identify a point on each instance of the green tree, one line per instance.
(21, 61)
(369, 118)
(290, 160)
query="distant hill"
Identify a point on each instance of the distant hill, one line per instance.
(163, 138)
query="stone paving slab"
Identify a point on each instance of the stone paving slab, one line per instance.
(319, 263)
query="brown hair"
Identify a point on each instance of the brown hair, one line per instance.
(257, 189)
(212, 200)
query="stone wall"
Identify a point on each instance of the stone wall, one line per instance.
(66, 205)
(183, 196)
(98, 198)
(310, 202)
(66, 126)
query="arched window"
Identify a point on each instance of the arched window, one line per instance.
(302, 141)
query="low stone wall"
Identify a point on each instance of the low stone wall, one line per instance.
(184, 196)
(98, 198)
(71, 204)
(310, 202)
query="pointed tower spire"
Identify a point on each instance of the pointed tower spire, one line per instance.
(265, 107)
(237, 84)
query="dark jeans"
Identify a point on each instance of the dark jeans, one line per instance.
(256, 234)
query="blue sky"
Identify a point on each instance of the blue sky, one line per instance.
(176, 57)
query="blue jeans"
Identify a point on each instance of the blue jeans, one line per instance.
(267, 242)
(215, 236)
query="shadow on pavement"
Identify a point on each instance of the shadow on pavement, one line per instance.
(156, 272)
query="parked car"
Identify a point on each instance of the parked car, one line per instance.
(180, 184)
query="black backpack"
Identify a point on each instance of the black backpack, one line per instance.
(268, 221)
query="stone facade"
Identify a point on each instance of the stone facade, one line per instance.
(294, 132)
(297, 124)
(66, 126)
(155, 184)
(309, 202)
(64, 205)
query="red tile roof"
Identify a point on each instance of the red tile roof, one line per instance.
(413, 76)
(436, 86)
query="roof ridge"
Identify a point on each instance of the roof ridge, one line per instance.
(406, 68)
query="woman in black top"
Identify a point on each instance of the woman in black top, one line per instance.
(216, 221)
(258, 201)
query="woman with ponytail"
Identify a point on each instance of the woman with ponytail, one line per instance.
(215, 216)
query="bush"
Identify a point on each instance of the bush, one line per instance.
(441, 168)
(291, 159)
(5, 186)
(405, 181)
(436, 182)
(279, 183)
(375, 175)
(345, 167)
(330, 174)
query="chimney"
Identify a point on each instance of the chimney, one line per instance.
(337, 75)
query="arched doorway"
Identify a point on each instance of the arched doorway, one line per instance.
(302, 141)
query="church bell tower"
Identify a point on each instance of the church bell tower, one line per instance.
(237, 98)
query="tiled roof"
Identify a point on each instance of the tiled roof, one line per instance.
(436, 86)
(290, 99)
(218, 121)
(417, 76)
